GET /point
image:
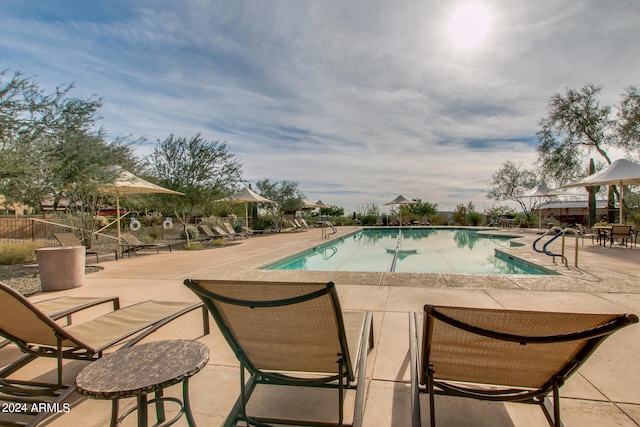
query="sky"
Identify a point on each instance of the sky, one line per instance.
(357, 101)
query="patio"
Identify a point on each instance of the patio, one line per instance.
(604, 392)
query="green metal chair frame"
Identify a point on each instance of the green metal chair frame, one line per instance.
(345, 372)
(517, 335)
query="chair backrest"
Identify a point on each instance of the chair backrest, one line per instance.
(206, 230)
(22, 321)
(67, 239)
(219, 231)
(621, 230)
(130, 239)
(276, 326)
(511, 347)
(229, 228)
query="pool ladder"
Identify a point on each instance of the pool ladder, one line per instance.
(325, 231)
(558, 233)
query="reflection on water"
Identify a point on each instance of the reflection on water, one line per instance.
(427, 250)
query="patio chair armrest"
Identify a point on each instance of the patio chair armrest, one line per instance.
(413, 369)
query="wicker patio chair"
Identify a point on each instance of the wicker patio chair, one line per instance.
(503, 355)
(290, 334)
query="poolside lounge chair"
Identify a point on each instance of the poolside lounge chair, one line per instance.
(132, 245)
(38, 335)
(232, 232)
(208, 233)
(503, 355)
(291, 334)
(70, 239)
(219, 232)
(66, 307)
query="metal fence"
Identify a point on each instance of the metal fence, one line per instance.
(40, 228)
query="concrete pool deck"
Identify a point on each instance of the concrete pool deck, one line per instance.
(604, 392)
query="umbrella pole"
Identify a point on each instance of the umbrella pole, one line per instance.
(620, 207)
(246, 215)
(118, 216)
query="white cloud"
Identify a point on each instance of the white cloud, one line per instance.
(357, 101)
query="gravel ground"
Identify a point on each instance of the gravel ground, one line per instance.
(25, 279)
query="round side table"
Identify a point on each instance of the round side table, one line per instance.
(142, 369)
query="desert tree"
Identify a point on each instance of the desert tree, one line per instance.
(202, 170)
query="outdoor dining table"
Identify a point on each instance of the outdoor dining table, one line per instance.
(604, 234)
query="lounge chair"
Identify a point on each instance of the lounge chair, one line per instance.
(132, 245)
(208, 233)
(621, 234)
(219, 232)
(36, 334)
(70, 239)
(291, 334)
(379, 222)
(503, 355)
(66, 307)
(231, 231)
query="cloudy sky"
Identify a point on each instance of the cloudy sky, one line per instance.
(357, 101)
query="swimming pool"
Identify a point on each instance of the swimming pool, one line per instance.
(417, 250)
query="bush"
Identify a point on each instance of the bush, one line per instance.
(194, 246)
(191, 231)
(475, 219)
(219, 242)
(18, 253)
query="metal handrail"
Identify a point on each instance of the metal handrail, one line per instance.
(564, 233)
(555, 230)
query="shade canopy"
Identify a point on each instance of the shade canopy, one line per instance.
(401, 200)
(128, 183)
(246, 196)
(621, 172)
(322, 204)
(307, 205)
(540, 191)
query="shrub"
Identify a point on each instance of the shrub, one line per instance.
(17, 253)
(475, 219)
(191, 231)
(219, 242)
(194, 246)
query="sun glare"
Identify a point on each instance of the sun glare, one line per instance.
(469, 25)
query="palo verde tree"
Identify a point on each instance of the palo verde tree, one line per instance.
(577, 126)
(202, 170)
(51, 148)
(287, 196)
(510, 182)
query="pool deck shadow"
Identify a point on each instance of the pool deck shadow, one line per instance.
(604, 392)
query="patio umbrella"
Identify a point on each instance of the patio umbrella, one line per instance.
(540, 191)
(401, 200)
(128, 183)
(621, 172)
(246, 196)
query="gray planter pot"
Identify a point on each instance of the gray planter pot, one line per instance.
(61, 267)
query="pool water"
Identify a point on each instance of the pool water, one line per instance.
(417, 250)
